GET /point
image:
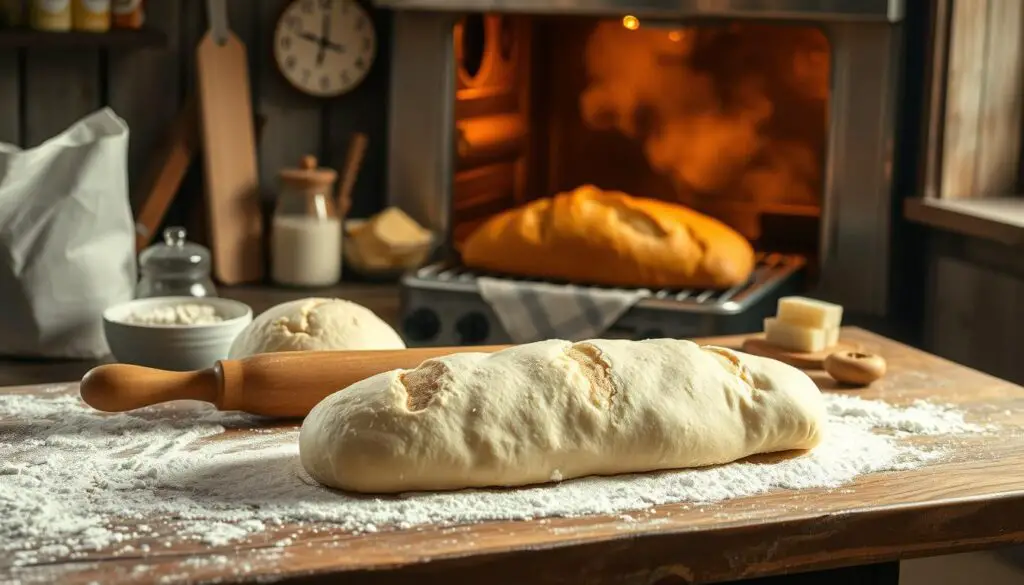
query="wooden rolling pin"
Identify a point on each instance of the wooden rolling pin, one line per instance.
(287, 384)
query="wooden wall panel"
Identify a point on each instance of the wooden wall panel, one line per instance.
(10, 98)
(292, 119)
(975, 316)
(975, 304)
(43, 91)
(1000, 124)
(60, 88)
(982, 122)
(364, 110)
(144, 88)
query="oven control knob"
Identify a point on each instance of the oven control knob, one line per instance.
(472, 328)
(421, 325)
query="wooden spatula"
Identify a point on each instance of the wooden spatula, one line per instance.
(286, 385)
(229, 153)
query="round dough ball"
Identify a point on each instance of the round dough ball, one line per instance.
(315, 324)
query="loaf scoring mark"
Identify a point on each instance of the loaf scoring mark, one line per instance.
(697, 240)
(738, 367)
(423, 384)
(544, 217)
(595, 369)
(637, 220)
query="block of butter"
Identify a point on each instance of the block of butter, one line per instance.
(798, 337)
(397, 231)
(809, 313)
(388, 239)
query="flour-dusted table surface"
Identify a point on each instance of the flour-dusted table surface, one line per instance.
(970, 498)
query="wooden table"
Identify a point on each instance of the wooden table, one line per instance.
(973, 499)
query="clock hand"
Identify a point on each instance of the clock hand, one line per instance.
(309, 37)
(335, 47)
(324, 39)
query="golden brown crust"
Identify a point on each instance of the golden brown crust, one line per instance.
(610, 238)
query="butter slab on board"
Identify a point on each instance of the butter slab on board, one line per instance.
(229, 154)
(804, 360)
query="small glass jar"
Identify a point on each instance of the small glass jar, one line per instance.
(176, 267)
(305, 239)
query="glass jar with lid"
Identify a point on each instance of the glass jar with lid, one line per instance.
(175, 267)
(305, 239)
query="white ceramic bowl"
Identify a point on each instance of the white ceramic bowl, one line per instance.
(174, 347)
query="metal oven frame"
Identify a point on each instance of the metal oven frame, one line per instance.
(857, 210)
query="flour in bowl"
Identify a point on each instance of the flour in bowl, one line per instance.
(74, 480)
(181, 314)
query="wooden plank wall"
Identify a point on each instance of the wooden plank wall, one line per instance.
(983, 100)
(42, 91)
(974, 304)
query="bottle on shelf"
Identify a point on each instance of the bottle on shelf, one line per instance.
(128, 13)
(51, 15)
(91, 15)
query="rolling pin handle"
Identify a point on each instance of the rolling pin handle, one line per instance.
(123, 387)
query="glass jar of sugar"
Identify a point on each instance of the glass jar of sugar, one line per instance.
(175, 268)
(305, 238)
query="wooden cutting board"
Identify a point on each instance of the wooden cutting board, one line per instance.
(163, 178)
(798, 359)
(229, 155)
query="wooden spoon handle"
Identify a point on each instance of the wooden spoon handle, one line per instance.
(287, 384)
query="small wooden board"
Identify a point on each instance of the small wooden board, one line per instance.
(798, 359)
(229, 152)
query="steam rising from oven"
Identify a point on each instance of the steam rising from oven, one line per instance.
(713, 129)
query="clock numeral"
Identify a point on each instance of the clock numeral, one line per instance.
(294, 22)
(308, 6)
(344, 77)
(360, 23)
(367, 43)
(305, 75)
(360, 64)
(345, 6)
(325, 5)
(286, 43)
(289, 62)
(325, 82)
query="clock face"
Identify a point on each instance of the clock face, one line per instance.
(324, 47)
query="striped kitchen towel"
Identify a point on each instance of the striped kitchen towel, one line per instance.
(532, 311)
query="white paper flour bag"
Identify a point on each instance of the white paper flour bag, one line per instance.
(67, 243)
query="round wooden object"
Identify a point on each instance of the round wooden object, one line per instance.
(854, 367)
(803, 360)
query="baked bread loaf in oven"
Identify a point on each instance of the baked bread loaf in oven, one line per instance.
(590, 236)
(554, 410)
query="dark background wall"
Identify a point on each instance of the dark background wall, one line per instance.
(43, 90)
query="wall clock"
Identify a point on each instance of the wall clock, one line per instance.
(324, 47)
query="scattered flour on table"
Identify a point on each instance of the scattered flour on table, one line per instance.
(73, 480)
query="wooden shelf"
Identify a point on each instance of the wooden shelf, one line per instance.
(999, 219)
(21, 38)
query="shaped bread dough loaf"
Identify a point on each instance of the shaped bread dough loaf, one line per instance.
(555, 410)
(315, 324)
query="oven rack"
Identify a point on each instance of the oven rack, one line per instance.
(771, 271)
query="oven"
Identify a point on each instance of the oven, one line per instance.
(776, 117)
